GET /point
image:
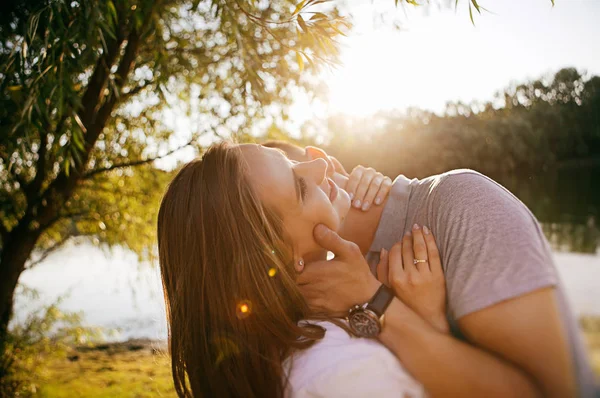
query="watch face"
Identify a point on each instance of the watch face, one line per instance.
(364, 323)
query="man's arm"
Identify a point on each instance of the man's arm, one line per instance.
(500, 279)
(527, 332)
(448, 367)
(445, 365)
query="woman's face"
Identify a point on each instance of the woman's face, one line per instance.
(301, 192)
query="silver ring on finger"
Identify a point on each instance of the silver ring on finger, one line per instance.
(417, 261)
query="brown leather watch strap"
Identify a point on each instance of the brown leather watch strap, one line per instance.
(381, 300)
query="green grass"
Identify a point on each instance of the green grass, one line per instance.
(127, 370)
(135, 369)
(591, 328)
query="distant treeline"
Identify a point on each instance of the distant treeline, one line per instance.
(527, 130)
(541, 139)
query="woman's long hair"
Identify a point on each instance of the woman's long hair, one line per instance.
(229, 283)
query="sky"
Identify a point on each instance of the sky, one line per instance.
(439, 56)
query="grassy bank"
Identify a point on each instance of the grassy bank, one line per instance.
(138, 368)
(591, 329)
(142, 369)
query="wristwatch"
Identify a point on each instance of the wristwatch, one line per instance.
(367, 320)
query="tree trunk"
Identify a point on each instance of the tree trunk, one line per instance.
(19, 244)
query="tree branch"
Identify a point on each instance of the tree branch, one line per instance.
(135, 162)
(64, 216)
(93, 117)
(55, 246)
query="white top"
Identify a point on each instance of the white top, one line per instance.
(343, 366)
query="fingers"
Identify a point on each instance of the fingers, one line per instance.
(420, 248)
(373, 189)
(330, 240)
(383, 269)
(433, 254)
(396, 270)
(407, 254)
(353, 180)
(338, 166)
(367, 176)
(384, 190)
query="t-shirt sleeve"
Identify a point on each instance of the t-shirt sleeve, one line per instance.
(369, 376)
(492, 247)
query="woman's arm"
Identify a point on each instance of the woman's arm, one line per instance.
(445, 365)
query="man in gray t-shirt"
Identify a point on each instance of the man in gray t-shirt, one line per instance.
(491, 246)
(492, 251)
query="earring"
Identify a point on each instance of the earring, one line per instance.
(301, 263)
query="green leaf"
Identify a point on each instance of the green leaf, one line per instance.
(476, 5)
(299, 7)
(112, 11)
(67, 166)
(300, 61)
(318, 16)
(302, 23)
(471, 14)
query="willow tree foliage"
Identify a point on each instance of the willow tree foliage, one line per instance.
(84, 86)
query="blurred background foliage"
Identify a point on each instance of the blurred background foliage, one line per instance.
(46, 334)
(540, 139)
(84, 86)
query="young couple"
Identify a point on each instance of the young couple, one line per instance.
(255, 309)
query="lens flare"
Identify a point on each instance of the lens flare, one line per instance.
(243, 309)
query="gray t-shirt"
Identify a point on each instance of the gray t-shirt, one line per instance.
(492, 247)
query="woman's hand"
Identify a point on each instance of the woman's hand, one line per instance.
(364, 185)
(367, 186)
(333, 287)
(419, 284)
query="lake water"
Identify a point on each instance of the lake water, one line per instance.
(114, 290)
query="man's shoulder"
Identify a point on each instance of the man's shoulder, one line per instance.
(458, 178)
(467, 188)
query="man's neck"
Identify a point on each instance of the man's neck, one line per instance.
(360, 226)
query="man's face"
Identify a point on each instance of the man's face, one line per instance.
(310, 153)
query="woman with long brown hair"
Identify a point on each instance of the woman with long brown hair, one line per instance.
(235, 231)
(228, 268)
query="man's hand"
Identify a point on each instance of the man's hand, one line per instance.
(333, 286)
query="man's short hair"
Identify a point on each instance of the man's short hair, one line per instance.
(292, 151)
